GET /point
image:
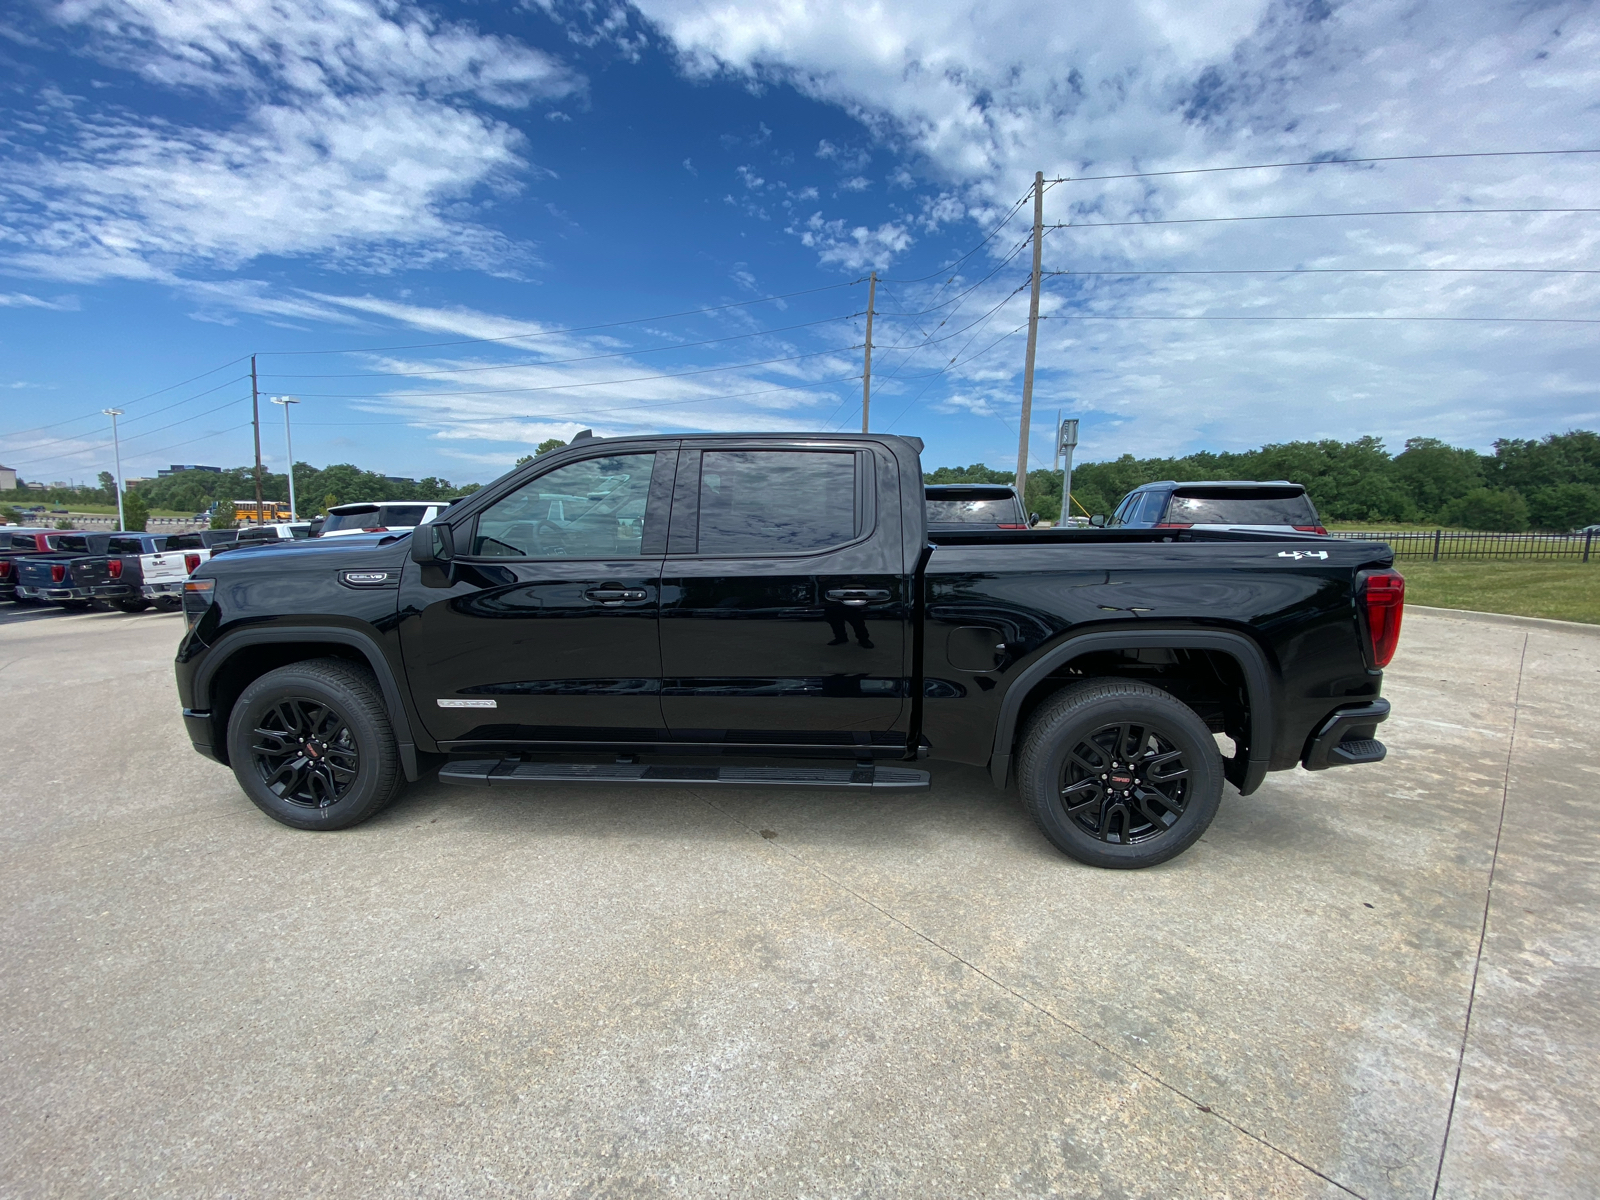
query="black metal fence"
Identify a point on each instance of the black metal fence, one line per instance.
(1443, 546)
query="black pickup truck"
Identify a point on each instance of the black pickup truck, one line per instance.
(631, 610)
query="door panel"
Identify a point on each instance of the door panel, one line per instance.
(781, 648)
(542, 636)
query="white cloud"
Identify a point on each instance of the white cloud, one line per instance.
(356, 144)
(23, 300)
(978, 97)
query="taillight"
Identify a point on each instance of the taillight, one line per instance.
(190, 562)
(385, 528)
(5, 568)
(1312, 529)
(1174, 525)
(58, 572)
(115, 567)
(1001, 525)
(1384, 594)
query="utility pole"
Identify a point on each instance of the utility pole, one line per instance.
(255, 422)
(288, 445)
(1033, 340)
(116, 445)
(866, 370)
(1066, 443)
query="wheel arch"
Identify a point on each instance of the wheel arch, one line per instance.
(1039, 679)
(248, 654)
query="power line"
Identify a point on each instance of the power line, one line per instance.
(1319, 162)
(135, 400)
(1266, 317)
(513, 337)
(146, 433)
(585, 412)
(556, 387)
(1398, 212)
(141, 417)
(554, 362)
(1004, 221)
(1359, 271)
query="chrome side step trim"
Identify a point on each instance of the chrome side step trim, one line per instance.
(490, 772)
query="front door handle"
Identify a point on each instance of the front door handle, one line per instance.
(613, 596)
(858, 597)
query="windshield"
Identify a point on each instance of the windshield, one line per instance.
(388, 516)
(1240, 506)
(974, 508)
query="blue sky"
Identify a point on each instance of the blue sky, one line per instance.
(356, 191)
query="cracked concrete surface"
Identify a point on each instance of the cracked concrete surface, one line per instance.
(592, 992)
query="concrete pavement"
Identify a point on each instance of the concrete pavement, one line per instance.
(592, 992)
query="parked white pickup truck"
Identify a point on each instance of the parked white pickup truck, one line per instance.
(149, 568)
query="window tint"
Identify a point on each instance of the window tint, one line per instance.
(589, 509)
(366, 518)
(74, 545)
(23, 541)
(185, 541)
(776, 501)
(1150, 508)
(126, 546)
(1123, 509)
(402, 516)
(1242, 506)
(974, 512)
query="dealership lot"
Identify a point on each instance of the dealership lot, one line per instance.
(600, 992)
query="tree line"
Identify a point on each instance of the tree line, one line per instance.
(1550, 483)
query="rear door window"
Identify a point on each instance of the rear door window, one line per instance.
(1241, 506)
(777, 501)
(403, 516)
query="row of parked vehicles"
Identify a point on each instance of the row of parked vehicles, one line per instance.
(135, 571)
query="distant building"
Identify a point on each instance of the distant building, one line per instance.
(35, 487)
(399, 479)
(179, 469)
(8, 480)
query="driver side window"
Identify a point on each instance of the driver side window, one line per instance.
(589, 509)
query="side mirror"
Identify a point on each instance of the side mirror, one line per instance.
(432, 543)
(1098, 520)
(1033, 519)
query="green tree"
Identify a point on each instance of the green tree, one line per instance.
(108, 485)
(223, 518)
(1434, 474)
(135, 512)
(328, 501)
(1497, 511)
(1565, 506)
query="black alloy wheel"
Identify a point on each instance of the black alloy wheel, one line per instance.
(305, 753)
(312, 745)
(1118, 773)
(1125, 783)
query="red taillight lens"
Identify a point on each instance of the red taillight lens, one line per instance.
(5, 568)
(58, 572)
(385, 528)
(190, 562)
(998, 525)
(115, 567)
(1174, 525)
(1385, 596)
(1312, 529)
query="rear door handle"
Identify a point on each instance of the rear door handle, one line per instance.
(857, 597)
(613, 596)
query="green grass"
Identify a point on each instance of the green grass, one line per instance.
(1565, 591)
(1390, 527)
(99, 510)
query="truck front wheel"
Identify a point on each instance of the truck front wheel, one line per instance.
(1119, 774)
(311, 744)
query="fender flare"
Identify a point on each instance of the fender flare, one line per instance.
(221, 651)
(1252, 662)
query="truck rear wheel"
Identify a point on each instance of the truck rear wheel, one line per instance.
(1119, 774)
(311, 744)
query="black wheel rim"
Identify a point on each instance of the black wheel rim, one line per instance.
(1125, 783)
(305, 752)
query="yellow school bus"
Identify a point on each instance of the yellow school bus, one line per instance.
(270, 512)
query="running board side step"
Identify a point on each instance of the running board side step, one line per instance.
(491, 772)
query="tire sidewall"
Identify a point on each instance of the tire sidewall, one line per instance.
(371, 741)
(1174, 721)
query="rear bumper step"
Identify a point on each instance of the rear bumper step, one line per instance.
(489, 772)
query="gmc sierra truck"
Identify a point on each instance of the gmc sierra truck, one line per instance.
(740, 610)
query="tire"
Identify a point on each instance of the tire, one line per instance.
(76, 605)
(133, 606)
(1168, 758)
(168, 603)
(354, 769)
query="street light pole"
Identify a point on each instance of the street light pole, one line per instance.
(116, 444)
(288, 445)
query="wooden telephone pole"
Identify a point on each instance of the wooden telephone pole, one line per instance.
(866, 369)
(1033, 340)
(255, 421)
